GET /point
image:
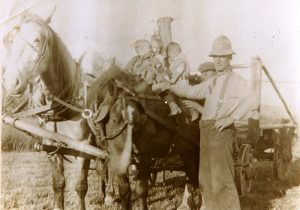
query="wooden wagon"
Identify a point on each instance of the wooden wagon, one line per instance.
(262, 139)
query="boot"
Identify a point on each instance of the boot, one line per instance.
(194, 114)
(175, 109)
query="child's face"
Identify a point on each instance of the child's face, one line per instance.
(142, 49)
(156, 45)
(173, 52)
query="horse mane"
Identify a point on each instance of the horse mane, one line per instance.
(63, 74)
(99, 88)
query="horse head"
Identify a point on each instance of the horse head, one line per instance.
(35, 53)
(110, 99)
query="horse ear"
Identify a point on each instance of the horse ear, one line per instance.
(48, 19)
(79, 61)
(113, 63)
(111, 89)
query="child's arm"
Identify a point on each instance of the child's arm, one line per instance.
(180, 69)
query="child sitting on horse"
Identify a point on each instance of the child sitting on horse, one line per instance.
(178, 67)
(142, 64)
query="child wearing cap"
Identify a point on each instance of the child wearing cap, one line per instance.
(207, 70)
(139, 63)
(145, 64)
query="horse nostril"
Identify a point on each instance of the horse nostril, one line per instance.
(17, 82)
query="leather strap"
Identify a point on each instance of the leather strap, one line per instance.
(33, 111)
(222, 94)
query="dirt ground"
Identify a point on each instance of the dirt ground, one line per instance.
(26, 185)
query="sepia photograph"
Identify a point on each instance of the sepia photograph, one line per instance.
(159, 105)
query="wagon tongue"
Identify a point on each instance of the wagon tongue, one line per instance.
(71, 146)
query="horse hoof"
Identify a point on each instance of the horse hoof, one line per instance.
(101, 200)
(183, 207)
(108, 201)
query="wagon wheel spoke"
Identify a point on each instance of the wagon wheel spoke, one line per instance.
(244, 172)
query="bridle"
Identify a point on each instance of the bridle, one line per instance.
(86, 113)
(40, 52)
(126, 118)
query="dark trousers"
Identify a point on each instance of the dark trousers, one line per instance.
(216, 174)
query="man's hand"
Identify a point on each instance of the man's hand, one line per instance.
(193, 105)
(223, 123)
(160, 87)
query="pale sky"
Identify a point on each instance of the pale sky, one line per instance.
(266, 28)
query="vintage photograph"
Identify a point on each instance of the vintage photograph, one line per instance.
(139, 104)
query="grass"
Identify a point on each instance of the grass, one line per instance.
(13, 139)
(26, 184)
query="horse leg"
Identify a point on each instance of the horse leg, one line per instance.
(81, 186)
(142, 192)
(187, 202)
(110, 191)
(191, 164)
(142, 187)
(58, 180)
(124, 191)
(101, 168)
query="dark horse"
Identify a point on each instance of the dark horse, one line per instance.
(114, 96)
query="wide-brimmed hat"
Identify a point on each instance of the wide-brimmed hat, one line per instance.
(221, 47)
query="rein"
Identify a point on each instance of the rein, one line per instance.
(86, 113)
(40, 53)
(150, 113)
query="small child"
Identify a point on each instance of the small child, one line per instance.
(178, 67)
(140, 63)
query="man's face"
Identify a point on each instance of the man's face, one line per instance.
(207, 74)
(221, 62)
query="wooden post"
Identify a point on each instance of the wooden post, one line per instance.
(165, 32)
(256, 78)
(277, 91)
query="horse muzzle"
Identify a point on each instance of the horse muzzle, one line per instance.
(14, 86)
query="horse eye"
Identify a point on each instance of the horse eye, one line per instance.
(36, 40)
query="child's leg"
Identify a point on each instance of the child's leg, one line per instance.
(175, 109)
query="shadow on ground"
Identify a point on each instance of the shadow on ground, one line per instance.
(266, 188)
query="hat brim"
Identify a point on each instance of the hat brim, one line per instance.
(216, 53)
(206, 70)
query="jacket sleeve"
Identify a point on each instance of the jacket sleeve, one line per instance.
(180, 69)
(130, 65)
(198, 92)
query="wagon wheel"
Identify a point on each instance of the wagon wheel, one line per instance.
(282, 155)
(244, 172)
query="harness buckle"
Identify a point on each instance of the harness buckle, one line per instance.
(87, 113)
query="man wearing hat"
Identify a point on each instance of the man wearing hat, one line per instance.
(207, 70)
(228, 98)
